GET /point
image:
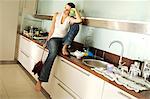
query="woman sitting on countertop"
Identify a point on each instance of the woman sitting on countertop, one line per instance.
(58, 36)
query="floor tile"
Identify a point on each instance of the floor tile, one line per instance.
(3, 93)
(15, 84)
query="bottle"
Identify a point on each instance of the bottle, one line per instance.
(31, 31)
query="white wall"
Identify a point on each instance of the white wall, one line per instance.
(8, 28)
(135, 44)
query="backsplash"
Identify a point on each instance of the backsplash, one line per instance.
(31, 21)
(134, 43)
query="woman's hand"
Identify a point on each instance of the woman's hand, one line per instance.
(45, 44)
(74, 9)
(77, 16)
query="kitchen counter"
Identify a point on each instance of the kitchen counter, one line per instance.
(140, 95)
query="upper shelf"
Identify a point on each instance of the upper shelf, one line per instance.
(120, 25)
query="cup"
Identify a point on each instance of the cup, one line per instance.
(146, 74)
(146, 68)
(110, 67)
(124, 69)
(72, 12)
(137, 64)
(134, 71)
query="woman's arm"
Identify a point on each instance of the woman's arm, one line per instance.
(77, 18)
(52, 27)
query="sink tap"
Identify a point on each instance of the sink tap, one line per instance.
(122, 50)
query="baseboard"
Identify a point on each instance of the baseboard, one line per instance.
(8, 62)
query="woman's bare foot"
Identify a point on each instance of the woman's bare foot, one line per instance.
(38, 86)
(64, 50)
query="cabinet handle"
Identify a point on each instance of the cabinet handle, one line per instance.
(76, 68)
(24, 54)
(124, 95)
(66, 90)
(26, 39)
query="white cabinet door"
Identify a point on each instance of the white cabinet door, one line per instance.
(30, 53)
(29, 6)
(23, 58)
(112, 92)
(83, 83)
(24, 45)
(61, 91)
(95, 88)
(36, 52)
(23, 53)
(49, 86)
(49, 7)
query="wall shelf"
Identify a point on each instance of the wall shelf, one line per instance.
(120, 25)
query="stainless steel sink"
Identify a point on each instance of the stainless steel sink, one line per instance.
(95, 63)
(136, 83)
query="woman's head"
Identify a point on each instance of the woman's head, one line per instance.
(68, 8)
(71, 5)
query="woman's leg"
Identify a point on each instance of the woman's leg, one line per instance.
(73, 31)
(53, 47)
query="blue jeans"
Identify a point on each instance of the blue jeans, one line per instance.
(73, 31)
(54, 45)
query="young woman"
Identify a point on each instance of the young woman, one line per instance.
(58, 30)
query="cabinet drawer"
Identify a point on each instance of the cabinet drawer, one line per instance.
(112, 92)
(23, 58)
(36, 52)
(25, 44)
(77, 79)
(60, 91)
(32, 49)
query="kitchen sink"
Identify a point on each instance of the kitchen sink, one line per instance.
(93, 63)
(136, 83)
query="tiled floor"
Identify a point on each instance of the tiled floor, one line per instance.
(15, 84)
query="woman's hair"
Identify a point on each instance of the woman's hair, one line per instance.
(71, 4)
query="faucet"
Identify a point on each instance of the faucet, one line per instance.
(122, 50)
